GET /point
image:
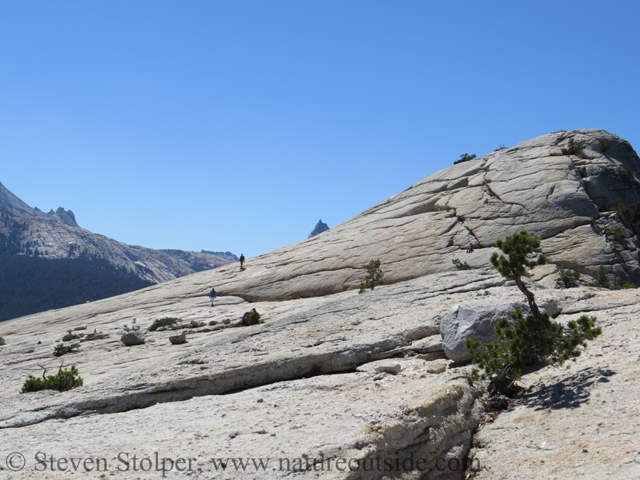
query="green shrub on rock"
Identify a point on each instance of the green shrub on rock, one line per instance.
(574, 147)
(523, 341)
(569, 277)
(461, 265)
(163, 322)
(62, 349)
(601, 280)
(62, 381)
(618, 233)
(465, 157)
(251, 317)
(373, 277)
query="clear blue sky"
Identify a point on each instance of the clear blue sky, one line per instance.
(236, 125)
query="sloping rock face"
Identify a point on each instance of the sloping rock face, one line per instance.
(562, 197)
(305, 384)
(29, 231)
(343, 385)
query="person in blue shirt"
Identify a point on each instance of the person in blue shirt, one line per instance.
(212, 295)
(242, 261)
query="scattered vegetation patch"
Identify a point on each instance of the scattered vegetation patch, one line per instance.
(574, 147)
(131, 328)
(601, 280)
(618, 234)
(163, 322)
(465, 157)
(569, 277)
(501, 147)
(605, 145)
(62, 381)
(63, 349)
(373, 277)
(628, 285)
(251, 317)
(629, 213)
(461, 265)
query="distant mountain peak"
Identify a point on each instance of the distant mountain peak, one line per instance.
(66, 216)
(226, 255)
(319, 228)
(9, 200)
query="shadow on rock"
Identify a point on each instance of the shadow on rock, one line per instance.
(571, 392)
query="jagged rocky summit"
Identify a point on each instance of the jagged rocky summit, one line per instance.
(335, 375)
(318, 229)
(226, 255)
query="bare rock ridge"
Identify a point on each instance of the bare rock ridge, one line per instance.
(226, 255)
(564, 196)
(333, 376)
(54, 235)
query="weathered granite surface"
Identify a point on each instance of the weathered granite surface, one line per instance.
(334, 375)
(533, 185)
(581, 422)
(306, 381)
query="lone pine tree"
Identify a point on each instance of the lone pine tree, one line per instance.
(534, 339)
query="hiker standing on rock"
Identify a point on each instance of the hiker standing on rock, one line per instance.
(212, 295)
(242, 261)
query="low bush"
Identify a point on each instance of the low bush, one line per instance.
(574, 147)
(131, 328)
(62, 381)
(523, 341)
(601, 280)
(569, 277)
(251, 317)
(461, 265)
(618, 233)
(465, 157)
(163, 322)
(63, 349)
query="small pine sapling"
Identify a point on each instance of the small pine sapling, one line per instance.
(523, 341)
(373, 277)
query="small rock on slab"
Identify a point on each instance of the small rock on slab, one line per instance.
(132, 338)
(80, 327)
(2, 341)
(392, 369)
(178, 339)
(474, 319)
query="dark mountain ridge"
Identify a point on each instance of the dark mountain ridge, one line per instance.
(87, 266)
